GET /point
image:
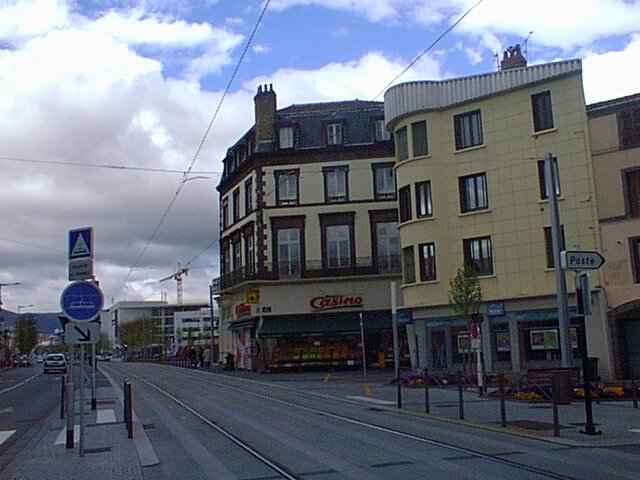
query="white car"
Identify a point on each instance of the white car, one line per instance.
(55, 362)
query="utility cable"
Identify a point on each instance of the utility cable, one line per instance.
(428, 49)
(186, 174)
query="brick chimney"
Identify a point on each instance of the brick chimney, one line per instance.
(265, 111)
(513, 58)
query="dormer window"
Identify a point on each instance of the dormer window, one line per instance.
(380, 133)
(286, 137)
(334, 134)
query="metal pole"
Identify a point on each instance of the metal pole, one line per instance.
(566, 352)
(82, 352)
(94, 402)
(63, 381)
(364, 355)
(70, 400)
(460, 397)
(503, 409)
(427, 403)
(212, 322)
(396, 353)
(634, 393)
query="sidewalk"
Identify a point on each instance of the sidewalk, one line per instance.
(108, 452)
(617, 420)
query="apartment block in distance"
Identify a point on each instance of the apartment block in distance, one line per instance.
(309, 241)
(615, 147)
(472, 191)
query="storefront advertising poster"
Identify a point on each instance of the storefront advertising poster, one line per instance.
(546, 339)
(464, 343)
(503, 342)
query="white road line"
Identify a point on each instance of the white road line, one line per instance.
(19, 384)
(106, 415)
(635, 430)
(5, 435)
(372, 400)
(62, 438)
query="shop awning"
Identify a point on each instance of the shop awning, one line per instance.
(315, 324)
(241, 325)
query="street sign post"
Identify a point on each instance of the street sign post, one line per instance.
(78, 333)
(82, 301)
(581, 260)
(81, 243)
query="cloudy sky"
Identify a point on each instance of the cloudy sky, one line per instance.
(113, 113)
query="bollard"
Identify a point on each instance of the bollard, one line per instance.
(460, 398)
(503, 408)
(129, 411)
(63, 381)
(427, 404)
(634, 393)
(556, 398)
(70, 411)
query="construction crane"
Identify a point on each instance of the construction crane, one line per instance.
(177, 276)
(6, 285)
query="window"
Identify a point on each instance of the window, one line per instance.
(249, 252)
(225, 213)
(338, 249)
(419, 138)
(384, 181)
(427, 262)
(632, 184)
(408, 265)
(635, 258)
(248, 196)
(548, 245)
(402, 148)
(286, 137)
(473, 192)
(629, 128)
(334, 134)
(287, 187)
(424, 206)
(388, 246)
(478, 256)
(468, 129)
(542, 114)
(289, 252)
(542, 178)
(336, 184)
(226, 258)
(380, 133)
(405, 203)
(236, 254)
(236, 205)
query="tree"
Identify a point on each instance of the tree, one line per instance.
(465, 297)
(26, 334)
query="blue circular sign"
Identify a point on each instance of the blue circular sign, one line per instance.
(82, 301)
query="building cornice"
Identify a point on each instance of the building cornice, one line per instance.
(411, 97)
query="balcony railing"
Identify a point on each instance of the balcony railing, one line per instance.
(312, 269)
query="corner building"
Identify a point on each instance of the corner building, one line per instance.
(471, 190)
(309, 241)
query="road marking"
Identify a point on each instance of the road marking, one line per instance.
(635, 430)
(372, 400)
(19, 384)
(62, 438)
(5, 435)
(6, 410)
(106, 415)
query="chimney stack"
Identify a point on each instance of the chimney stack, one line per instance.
(265, 112)
(513, 58)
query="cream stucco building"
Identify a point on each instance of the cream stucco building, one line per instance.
(471, 191)
(615, 142)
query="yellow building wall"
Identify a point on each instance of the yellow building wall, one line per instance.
(516, 215)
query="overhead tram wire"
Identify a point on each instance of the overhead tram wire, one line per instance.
(428, 49)
(186, 174)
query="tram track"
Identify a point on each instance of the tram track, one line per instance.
(233, 384)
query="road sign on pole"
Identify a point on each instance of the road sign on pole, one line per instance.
(82, 301)
(581, 260)
(81, 243)
(76, 333)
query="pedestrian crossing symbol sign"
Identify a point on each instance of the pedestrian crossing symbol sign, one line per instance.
(81, 243)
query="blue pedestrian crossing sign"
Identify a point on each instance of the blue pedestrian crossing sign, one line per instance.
(82, 301)
(81, 243)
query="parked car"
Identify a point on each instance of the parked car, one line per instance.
(55, 362)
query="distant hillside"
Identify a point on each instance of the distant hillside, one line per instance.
(47, 322)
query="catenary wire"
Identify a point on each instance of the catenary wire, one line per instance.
(200, 146)
(428, 49)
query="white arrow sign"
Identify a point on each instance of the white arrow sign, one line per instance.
(77, 333)
(580, 260)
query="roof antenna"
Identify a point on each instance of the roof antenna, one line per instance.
(524, 50)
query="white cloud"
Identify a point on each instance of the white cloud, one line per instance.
(42, 15)
(374, 10)
(261, 49)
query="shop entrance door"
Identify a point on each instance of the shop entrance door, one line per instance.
(439, 350)
(631, 336)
